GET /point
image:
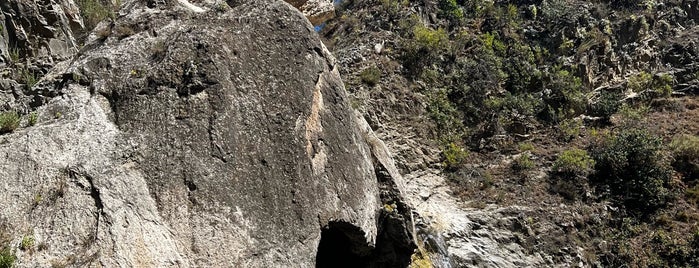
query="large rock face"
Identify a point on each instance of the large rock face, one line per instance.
(185, 138)
(42, 30)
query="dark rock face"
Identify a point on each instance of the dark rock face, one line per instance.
(185, 138)
(34, 35)
(42, 29)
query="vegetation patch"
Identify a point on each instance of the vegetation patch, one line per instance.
(7, 259)
(574, 162)
(9, 121)
(27, 243)
(95, 11)
(685, 151)
(454, 156)
(522, 163)
(632, 166)
(371, 76)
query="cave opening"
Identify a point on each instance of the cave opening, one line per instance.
(344, 245)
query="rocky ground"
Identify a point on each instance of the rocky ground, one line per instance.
(485, 177)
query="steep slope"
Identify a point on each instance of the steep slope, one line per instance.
(186, 138)
(484, 102)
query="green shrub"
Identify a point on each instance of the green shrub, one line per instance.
(566, 98)
(662, 85)
(685, 151)
(632, 167)
(27, 242)
(607, 105)
(7, 259)
(574, 162)
(370, 75)
(454, 156)
(492, 42)
(451, 10)
(33, 117)
(525, 147)
(444, 113)
(429, 39)
(569, 129)
(9, 121)
(640, 81)
(522, 163)
(652, 86)
(29, 78)
(570, 173)
(94, 11)
(423, 48)
(633, 113)
(393, 7)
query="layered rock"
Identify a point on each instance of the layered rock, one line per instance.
(317, 11)
(42, 31)
(33, 37)
(186, 138)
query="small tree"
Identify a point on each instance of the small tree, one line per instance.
(633, 169)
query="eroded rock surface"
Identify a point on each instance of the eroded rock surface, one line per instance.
(186, 138)
(317, 11)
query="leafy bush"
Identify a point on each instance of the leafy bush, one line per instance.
(429, 39)
(651, 86)
(607, 105)
(632, 167)
(94, 11)
(444, 113)
(9, 121)
(574, 163)
(370, 76)
(570, 173)
(685, 151)
(33, 117)
(7, 259)
(454, 156)
(569, 129)
(451, 10)
(564, 98)
(633, 113)
(526, 146)
(27, 242)
(640, 81)
(423, 48)
(522, 163)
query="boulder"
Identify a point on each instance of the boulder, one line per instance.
(179, 138)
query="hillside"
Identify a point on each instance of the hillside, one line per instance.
(578, 119)
(354, 133)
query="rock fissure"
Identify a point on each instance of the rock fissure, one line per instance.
(75, 174)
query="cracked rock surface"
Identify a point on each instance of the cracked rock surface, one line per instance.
(183, 138)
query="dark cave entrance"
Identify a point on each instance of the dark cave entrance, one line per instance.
(342, 245)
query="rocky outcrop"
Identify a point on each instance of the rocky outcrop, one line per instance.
(186, 138)
(41, 31)
(317, 11)
(33, 37)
